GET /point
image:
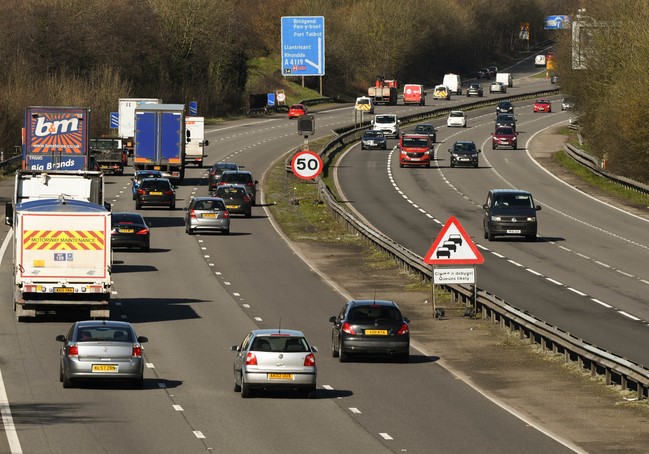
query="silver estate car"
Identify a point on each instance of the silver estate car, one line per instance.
(101, 349)
(207, 213)
(274, 359)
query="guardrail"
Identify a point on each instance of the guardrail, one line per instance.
(10, 164)
(615, 369)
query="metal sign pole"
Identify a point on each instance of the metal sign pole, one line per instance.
(432, 290)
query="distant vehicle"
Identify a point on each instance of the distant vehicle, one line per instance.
(464, 153)
(493, 70)
(542, 105)
(364, 104)
(504, 136)
(236, 198)
(415, 150)
(370, 327)
(243, 177)
(453, 82)
(554, 79)
(441, 92)
(297, 110)
(155, 192)
(414, 94)
(427, 129)
(205, 214)
(388, 123)
(456, 118)
(506, 119)
(101, 350)
(510, 212)
(504, 107)
(274, 359)
(539, 60)
(214, 175)
(567, 103)
(130, 230)
(483, 73)
(474, 90)
(497, 87)
(505, 78)
(373, 138)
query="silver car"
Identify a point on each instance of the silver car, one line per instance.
(497, 87)
(274, 359)
(101, 349)
(207, 213)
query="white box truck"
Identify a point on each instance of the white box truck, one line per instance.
(126, 119)
(505, 78)
(62, 257)
(196, 143)
(453, 82)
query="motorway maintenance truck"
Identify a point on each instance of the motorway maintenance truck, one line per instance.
(62, 257)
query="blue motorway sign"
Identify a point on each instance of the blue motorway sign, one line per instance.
(114, 120)
(303, 43)
(557, 22)
(193, 108)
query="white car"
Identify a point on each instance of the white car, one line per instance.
(456, 118)
(497, 87)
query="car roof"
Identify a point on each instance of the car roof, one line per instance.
(372, 303)
(457, 111)
(231, 185)
(224, 163)
(116, 323)
(271, 331)
(416, 136)
(509, 191)
(198, 199)
(156, 179)
(237, 172)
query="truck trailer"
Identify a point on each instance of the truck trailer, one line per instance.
(62, 257)
(159, 142)
(126, 119)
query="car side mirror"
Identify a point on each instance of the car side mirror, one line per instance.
(9, 214)
(479, 151)
(332, 319)
(234, 348)
(314, 349)
(537, 208)
(485, 207)
(450, 151)
(60, 338)
(256, 182)
(142, 339)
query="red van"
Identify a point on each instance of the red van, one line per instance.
(414, 94)
(415, 150)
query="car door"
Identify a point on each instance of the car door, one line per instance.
(241, 355)
(335, 330)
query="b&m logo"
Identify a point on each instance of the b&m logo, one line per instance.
(56, 132)
(46, 128)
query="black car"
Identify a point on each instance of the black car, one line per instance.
(510, 212)
(483, 73)
(493, 70)
(370, 327)
(427, 129)
(236, 198)
(129, 230)
(374, 138)
(214, 176)
(474, 90)
(156, 192)
(504, 107)
(506, 119)
(244, 178)
(464, 153)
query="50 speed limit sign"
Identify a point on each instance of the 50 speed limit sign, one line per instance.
(306, 165)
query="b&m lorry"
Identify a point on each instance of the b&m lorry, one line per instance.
(159, 142)
(55, 138)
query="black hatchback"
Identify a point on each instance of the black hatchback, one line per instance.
(244, 178)
(504, 107)
(370, 327)
(155, 191)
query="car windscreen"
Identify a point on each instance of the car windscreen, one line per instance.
(464, 147)
(504, 131)
(236, 178)
(414, 142)
(156, 185)
(424, 129)
(209, 205)
(363, 314)
(385, 120)
(456, 114)
(125, 218)
(284, 344)
(101, 333)
(373, 134)
(513, 201)
(230, 192)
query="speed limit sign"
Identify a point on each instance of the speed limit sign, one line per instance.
(306, 165)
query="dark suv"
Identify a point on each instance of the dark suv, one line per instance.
(155, 191)
(506, 119)
(504, 107)
(510, 212)
(244, 178)
(464, 153)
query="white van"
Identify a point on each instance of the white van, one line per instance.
(453, 82)
(388, 123)
(505, 78)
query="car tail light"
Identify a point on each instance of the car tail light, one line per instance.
(73, 350)
(403, 330)
(250, 184)
(309, 360)
(226, 214)
(192, 214)
(143, 232)
(246, 199)
(347, 328)
(141, 191)
(168, 192)
(113, 232)
(251, 359)
(137, 351)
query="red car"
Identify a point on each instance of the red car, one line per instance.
(296, 110)
(542, 105)
(505, 136)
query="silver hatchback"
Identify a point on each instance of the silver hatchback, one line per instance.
(207, 213)
(101, 349)
(274, 359)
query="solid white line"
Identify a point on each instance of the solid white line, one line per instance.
(7, 419)
(624, 273)
(386, 436)
(150, 366)
(626, 314)
(601, 303)
(644, 281)
(602, 264)
(236, 294)
(258, 319)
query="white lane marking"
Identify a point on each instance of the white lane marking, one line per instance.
(534, 272)
(498, 255)
(624, 273)
(328, 387)
(576, 291)
(601, 303)
(602, 264)
(515, 263)
(226, 283)
(211, 264)
(626, 314)
(258, 319)
(150, 366)
(236, 294)
(247, 306)
(198, 434)
(553, 281)
(178, 408)
(386, 436)
(162, 385)
(355, 410)
(113, 292)
(218, 273)
(7, 419)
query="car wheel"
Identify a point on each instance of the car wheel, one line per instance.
(530, 237)
(237, 388)
(490, 236)
(452, 164)
(61, 374)
(428, 165)
(190, 231)
(342, 356)
(309, 392)
(172, 206)
(493, 147)
(146, 247)
(400, 165)
(138, 205)
(248, 214)
(475, 166)
(434, 139)
(464, 125)
(485, 234)
(404, 358)
(334, 351)
(67, 383)
(138, 383)
(385, 147)
(362, 147)
(514, 147)
(246, 392)
(226, 232)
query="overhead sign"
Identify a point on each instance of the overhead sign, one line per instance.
(453, 246)
(303, 41)
(306, 165)
(454, 275)
(557, 22)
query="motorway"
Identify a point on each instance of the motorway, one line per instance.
(195, 296)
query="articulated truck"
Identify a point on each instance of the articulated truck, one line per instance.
(62, 257)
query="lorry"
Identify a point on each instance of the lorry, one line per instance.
(384, 91)
(414, 94)
(159, 141)
(55, 138)
(62, 257)
(126, 119)
(505, 78)
(108, 155)
(196, 143)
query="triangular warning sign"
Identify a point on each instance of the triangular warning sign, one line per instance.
(453, 246)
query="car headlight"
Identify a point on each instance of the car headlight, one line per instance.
(496, 218)
(531, 219)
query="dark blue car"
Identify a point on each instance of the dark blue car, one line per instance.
(142, 174)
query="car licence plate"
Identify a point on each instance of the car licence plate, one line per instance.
(126, 230)
(513, 231)
(209, 215)
(155, 193)
(376, 332)
(280, 376)
(231, 207)
(64, 290)
(101, 368)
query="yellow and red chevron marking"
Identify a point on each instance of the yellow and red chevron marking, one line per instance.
(64, 240)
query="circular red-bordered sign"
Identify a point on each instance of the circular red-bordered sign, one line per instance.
(306, 165)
